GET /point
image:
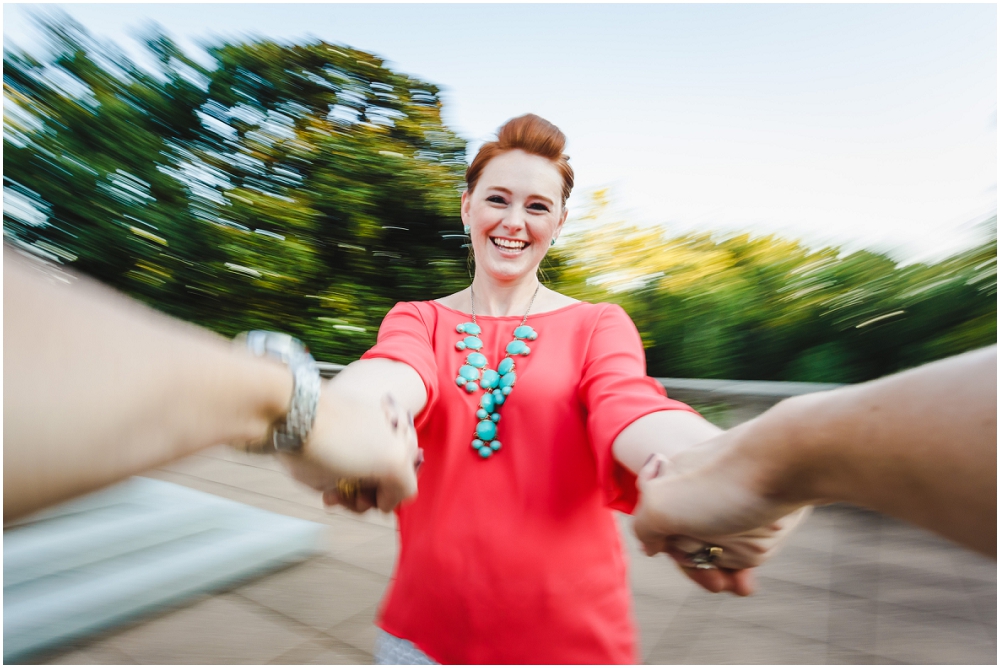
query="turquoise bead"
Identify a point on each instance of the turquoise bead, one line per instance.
(472, 343)
(485, 452)
(460, 329)
(469, 372)
(495, 445)
(515, 348)
(523, 332)
(499, 397)
(471, 387)
(506, 380)
(486, 430)
(477, 360)
(476, 444)
(460, 345)
(481, 414)
(490, 379)
(506, 366)
(460, 381)
(487, 401)
(472, 328)
(505, 390)
(495, 417)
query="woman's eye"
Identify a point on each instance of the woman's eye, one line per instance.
(496, 199)
(538, 206)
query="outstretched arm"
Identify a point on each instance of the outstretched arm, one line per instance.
(98, 387)
(920, 445)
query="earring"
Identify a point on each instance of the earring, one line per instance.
(552, 242)
(467, 229)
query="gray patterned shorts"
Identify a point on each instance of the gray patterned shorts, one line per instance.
(393, 651)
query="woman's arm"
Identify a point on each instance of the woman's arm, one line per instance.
(98, 387)
(665, 433)
(920, 445)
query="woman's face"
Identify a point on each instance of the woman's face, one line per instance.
(514, 213)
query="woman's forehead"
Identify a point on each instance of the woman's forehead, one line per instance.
(517, 171)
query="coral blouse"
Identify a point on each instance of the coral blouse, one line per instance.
(516, 558)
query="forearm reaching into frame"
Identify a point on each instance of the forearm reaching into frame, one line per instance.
(919, 445)
(98, 387)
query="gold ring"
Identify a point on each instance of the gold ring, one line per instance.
(348, 488)
(706, 557)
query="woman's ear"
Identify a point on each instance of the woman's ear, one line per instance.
(466, 204)
(562, 221)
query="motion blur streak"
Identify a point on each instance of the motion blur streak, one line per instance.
(308, 187)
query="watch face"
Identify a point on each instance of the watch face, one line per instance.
(273, 344)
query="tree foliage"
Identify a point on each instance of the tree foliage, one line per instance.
(765, 308)
(303, 188)
(308, 187)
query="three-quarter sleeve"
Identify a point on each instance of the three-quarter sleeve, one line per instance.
(404, 336)
(616, 392)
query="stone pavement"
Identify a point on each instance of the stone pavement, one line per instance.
(851, 587)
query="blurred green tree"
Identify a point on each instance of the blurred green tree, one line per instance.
(764, 308)
(299, 187)
(308, 187)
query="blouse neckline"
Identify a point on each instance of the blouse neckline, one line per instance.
(531, 316)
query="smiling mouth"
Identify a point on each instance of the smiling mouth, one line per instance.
(509, 245)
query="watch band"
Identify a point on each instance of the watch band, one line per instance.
(291, 434)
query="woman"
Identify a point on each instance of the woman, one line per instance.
(534, 413)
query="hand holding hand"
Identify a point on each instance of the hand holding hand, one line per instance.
(358, 454)
(706, 496)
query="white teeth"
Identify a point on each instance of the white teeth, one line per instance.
(506, 243)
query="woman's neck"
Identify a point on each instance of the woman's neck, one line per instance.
(496, 299)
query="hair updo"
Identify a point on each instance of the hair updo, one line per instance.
(531, 134)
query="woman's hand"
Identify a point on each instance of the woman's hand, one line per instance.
(704, 496)
(360, 454)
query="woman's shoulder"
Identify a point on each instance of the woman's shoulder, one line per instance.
(584, 310)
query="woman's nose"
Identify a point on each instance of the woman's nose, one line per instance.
(514, 221)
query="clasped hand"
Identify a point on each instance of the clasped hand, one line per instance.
(373, 447)
(698, 498)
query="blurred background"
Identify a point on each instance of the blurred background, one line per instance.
(773, 193)
(265, 180)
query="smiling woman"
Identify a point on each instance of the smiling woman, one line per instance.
(515, 204)
(511, 553)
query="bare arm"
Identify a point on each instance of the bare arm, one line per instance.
(665, 432)
(98, 387)
(919, 445)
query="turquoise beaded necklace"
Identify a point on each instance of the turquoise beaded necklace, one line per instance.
(496, 385)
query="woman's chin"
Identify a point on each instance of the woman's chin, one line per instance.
(508, 270)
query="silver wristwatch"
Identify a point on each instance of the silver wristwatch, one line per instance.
(291, 434)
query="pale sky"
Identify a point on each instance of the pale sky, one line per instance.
(861, 125)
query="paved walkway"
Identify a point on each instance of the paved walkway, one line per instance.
(852, 587)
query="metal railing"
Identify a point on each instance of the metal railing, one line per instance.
(726, 402)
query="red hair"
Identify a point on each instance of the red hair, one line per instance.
(531, 134)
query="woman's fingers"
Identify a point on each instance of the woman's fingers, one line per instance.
(740, 582)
